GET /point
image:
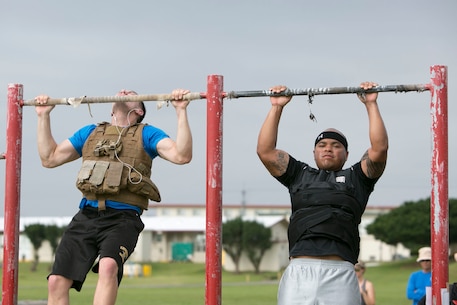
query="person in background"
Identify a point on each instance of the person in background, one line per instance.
(420, 279)
(366, 287)
(115, 183)
(327, 204)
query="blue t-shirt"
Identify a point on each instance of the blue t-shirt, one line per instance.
(416, 285)
(151, 136)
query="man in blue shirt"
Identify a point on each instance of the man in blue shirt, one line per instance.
(116, 186)
(418, 280)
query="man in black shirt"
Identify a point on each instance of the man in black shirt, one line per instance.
(327, 205)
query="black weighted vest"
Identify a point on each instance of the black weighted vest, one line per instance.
(324, 204)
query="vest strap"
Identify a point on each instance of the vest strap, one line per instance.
(123, 196)
(101, 204)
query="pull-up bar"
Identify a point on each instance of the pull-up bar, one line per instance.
(76, 101)
(326, 91)
(214, 96)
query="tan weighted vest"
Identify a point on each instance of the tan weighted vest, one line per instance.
(103, 177)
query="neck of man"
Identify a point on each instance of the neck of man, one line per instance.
(123, 114)
(121, 120)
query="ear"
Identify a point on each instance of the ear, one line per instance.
(139, 112)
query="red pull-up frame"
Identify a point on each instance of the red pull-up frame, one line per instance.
(13, 158)
(214, 96)
(439, 210)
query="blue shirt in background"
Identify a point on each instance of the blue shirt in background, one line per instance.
(416, 285)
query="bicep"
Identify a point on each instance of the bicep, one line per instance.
(166, 149)
(373, 164)
(371, 293)
(64, 152)
(276, 162)
(370, 288)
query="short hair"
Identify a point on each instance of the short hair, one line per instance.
(143, 107)
(360, 264)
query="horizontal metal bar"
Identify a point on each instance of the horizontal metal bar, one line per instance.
(75, 101)
(333, 90)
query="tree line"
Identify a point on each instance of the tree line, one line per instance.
(37, 234)
(409, 224)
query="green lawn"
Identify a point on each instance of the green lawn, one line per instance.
(184, 284)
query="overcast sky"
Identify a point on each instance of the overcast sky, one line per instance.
(96, 48)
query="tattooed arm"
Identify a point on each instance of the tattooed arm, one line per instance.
(374, 159)
(371, 168)
(275, 160)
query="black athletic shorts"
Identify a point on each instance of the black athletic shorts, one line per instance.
(91, 234)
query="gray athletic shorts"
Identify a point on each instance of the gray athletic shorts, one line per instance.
(318, 282)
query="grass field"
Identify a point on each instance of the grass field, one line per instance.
(184, 284)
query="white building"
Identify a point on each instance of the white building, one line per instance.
(176, 232)
(371, 250)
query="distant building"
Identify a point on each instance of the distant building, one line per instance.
(176, 232)
(371, 250)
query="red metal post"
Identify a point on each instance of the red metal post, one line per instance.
(12, 194)
(439, 213)
(214, 110)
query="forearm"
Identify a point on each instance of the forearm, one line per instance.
(268, 134)
(46, 143)
(377, 132)
(183, 137)
(412, 292)
(368, 298)
(275, 160)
